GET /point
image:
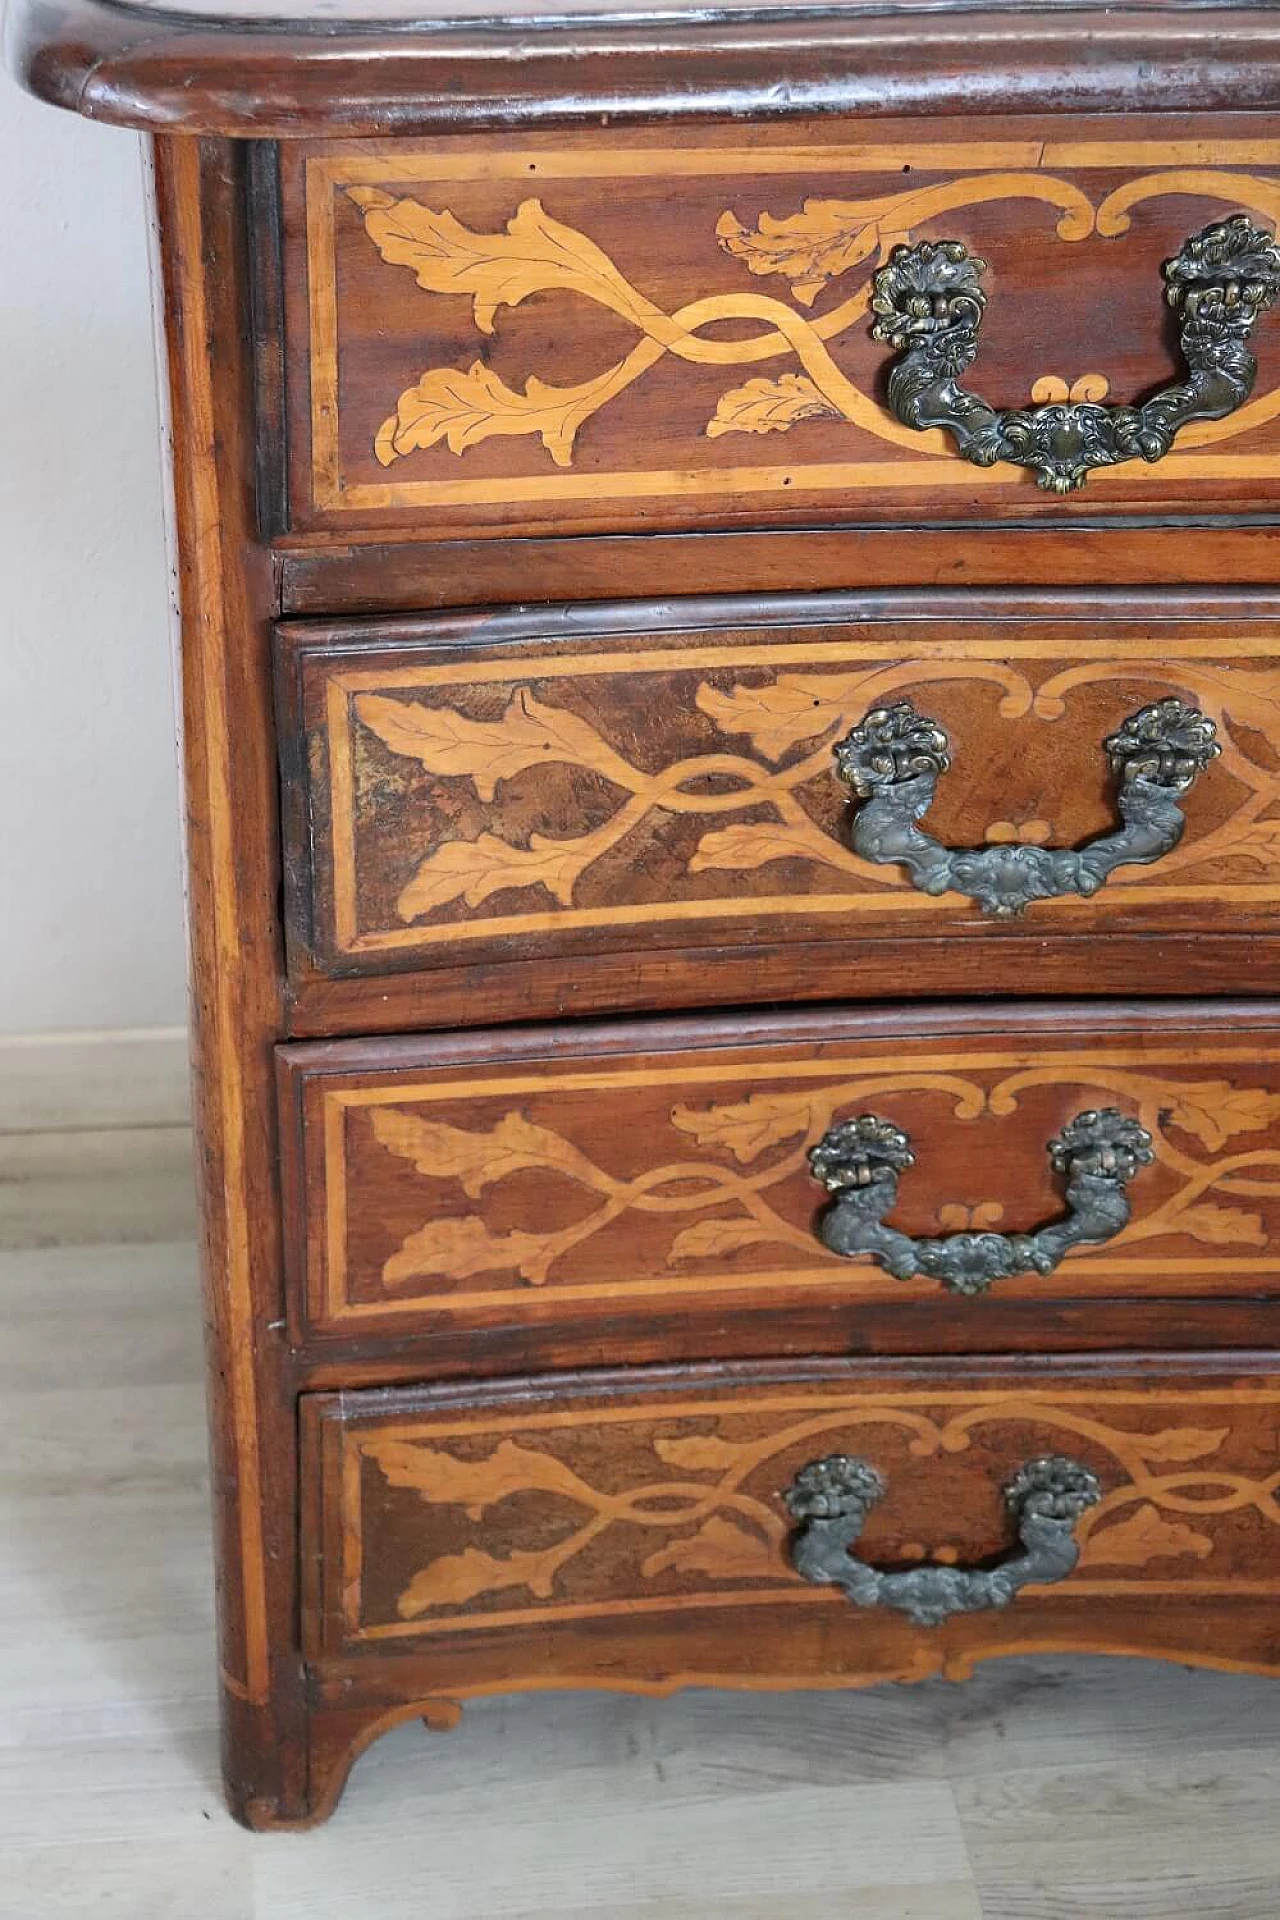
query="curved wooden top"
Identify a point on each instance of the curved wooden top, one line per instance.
(367, 67)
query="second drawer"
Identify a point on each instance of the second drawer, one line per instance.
(642, 805)
(646, 1191)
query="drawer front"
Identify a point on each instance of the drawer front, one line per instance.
(585, 331)
(633, 1192)
(691, 1504)
(642, 781)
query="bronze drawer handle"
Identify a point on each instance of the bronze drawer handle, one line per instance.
(831, 1499)
(894, 758)
(930, 304)
(858, 1161)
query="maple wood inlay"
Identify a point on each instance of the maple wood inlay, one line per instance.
(697, 297)
(682, 1178)
(594, 1503)
(452, 806)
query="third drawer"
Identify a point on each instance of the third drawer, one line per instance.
(630, 1192)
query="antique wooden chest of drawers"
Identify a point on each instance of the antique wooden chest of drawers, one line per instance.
(730, 579)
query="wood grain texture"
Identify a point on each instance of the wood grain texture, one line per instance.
(370, 576)
(234, 863)
(1138, 1758)
(553, 1182)
(770, 1641)
(526, 1509)
(382, 68)
(1165, 964)
(647, 780)
(672, 330)
(453, 344)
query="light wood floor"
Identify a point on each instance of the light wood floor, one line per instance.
(1041, 1790)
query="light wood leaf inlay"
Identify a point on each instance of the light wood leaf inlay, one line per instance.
(731, 1208)
(485, 752)
(534, 254)
(462, 409)
(456, 1249)
(1259, 842)
(748, 844)
(768, 406)
(707, 1239)
(477, 1158)
(473, 870)
(1217, 1109)
(810, 248)
(699, 1452)
(729, 1524)
(444, 1480)
(1181, 1443)
(783, 712)
(1142, 1536)
(749, 1126)
(828, 237)
(1221, 1226)
(456, 1578)
(720, 1547)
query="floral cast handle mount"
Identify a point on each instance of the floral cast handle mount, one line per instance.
(929, 302)
(831, 1499)
(859, 1162)
(894, 758)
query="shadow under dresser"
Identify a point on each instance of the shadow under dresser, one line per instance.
(731, 680)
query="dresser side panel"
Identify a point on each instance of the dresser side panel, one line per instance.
(226, 591)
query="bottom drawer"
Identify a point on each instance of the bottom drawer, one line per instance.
(647, 1529)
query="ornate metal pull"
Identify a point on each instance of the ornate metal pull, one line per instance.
(930, 304)
(831, 1499)
(858, 1161)
(894, 758)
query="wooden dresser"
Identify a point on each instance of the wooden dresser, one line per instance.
(731, 668)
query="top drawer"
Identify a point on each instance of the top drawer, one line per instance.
(608, 331)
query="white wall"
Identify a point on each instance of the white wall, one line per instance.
(90, 900)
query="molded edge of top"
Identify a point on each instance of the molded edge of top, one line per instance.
(493, 64)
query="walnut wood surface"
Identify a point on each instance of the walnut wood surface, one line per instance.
(233, 855)
(603, 1530)
(1103, 967)
(558, 1186)
(364, 1236)
(292, 1730)
(364, 577)
(648, 780)
(528, 1506)
(290, 1734)
(357, 69)
(670, 329)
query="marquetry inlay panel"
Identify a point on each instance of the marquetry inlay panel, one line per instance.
(584, 1186)
(680, 790)
(628, 328)
(603, 1502)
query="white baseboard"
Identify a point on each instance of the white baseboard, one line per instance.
(73, 1082)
